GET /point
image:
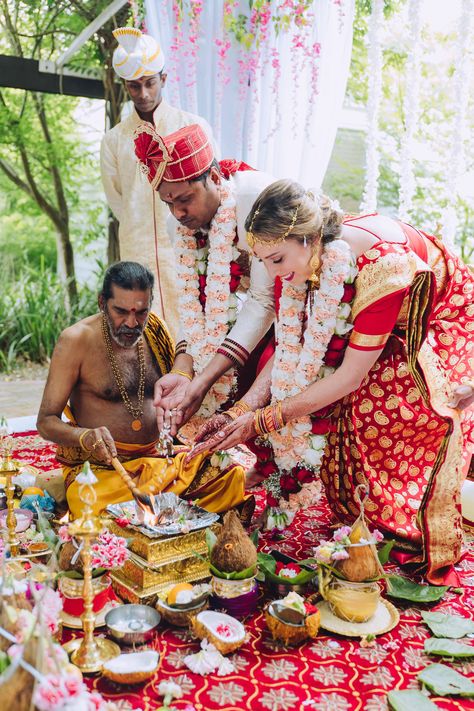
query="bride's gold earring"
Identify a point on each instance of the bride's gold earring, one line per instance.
(314, 264)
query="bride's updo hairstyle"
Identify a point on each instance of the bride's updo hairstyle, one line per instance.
(273, 213)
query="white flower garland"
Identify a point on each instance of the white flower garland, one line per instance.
(411, 107)
(296, 366)
(205, 332)
(374, 68)
(461, 80)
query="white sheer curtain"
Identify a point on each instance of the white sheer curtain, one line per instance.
(288, 132)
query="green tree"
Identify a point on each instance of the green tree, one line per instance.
(40, 151)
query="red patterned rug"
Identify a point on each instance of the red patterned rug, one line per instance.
(331, 673)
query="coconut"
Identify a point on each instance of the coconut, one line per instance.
(66, 555)
(362, 563)
(291, 634)
(133, 668)
(233, 550)
(225, 632)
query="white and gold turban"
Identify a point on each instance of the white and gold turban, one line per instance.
(137, 55)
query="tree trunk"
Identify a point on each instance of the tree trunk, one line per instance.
(114, 101)
(113, 247)
(65, 266)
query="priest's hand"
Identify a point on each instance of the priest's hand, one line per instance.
(99, 443)
(170, 391)
(462, 396)
(236, 432)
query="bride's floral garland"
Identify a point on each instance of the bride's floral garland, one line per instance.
(300, 359)
(205, 277)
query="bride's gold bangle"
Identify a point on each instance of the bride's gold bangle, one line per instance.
(238, 408)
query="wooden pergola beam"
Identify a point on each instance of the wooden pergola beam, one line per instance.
(20, 73)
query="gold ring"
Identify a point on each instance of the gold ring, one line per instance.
(98, 442)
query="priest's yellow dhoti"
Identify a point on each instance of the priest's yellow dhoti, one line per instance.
(210, 488)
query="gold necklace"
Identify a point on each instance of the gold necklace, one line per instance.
(137, 411)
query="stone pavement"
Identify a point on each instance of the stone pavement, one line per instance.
(20, 397)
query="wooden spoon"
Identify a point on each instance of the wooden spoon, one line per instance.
(144, 501)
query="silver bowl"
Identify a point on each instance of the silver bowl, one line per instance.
(132, 624)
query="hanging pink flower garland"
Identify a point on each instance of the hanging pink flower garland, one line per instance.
(253, 33)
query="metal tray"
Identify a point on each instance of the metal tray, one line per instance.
(193, 517)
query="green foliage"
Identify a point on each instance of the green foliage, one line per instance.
(33, 314)
(435, 124)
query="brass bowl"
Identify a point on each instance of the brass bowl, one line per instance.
(132, 624)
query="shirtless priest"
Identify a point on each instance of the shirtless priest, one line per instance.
(102, 376)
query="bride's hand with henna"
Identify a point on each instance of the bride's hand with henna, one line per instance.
(227, 436)
(212, 426)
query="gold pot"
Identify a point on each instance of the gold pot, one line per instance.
(354, 602)
(73, 587)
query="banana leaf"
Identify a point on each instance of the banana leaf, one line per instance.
(448, 648)
(452, 626)
(409, 700)
(444, 681)
(267, 564)
(400, 587)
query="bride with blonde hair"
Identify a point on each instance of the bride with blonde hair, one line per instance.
(371, 378)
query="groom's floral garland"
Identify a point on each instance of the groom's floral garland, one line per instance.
(208, 275)
(300, 359)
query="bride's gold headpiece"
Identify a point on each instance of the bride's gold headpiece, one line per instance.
(252, 239)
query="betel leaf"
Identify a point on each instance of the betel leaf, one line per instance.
(400, 587)
(240, 575)
(384, 552)
(448, 648)
(267, 564)
(266, 561)
(409, 700)
(211, 539)
(254, 536)
(4, 661)
(452, 626)
(444, 681)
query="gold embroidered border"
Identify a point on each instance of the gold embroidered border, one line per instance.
(369, 341)
(389, 274)
(440, 508)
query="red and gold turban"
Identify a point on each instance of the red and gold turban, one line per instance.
(183, 155)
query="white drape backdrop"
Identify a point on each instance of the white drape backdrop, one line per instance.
(288, 133)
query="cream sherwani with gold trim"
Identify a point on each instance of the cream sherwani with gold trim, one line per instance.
(142, 215)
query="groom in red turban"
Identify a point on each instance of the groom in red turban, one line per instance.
(209, 202)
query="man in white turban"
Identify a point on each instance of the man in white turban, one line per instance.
(139, 61)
